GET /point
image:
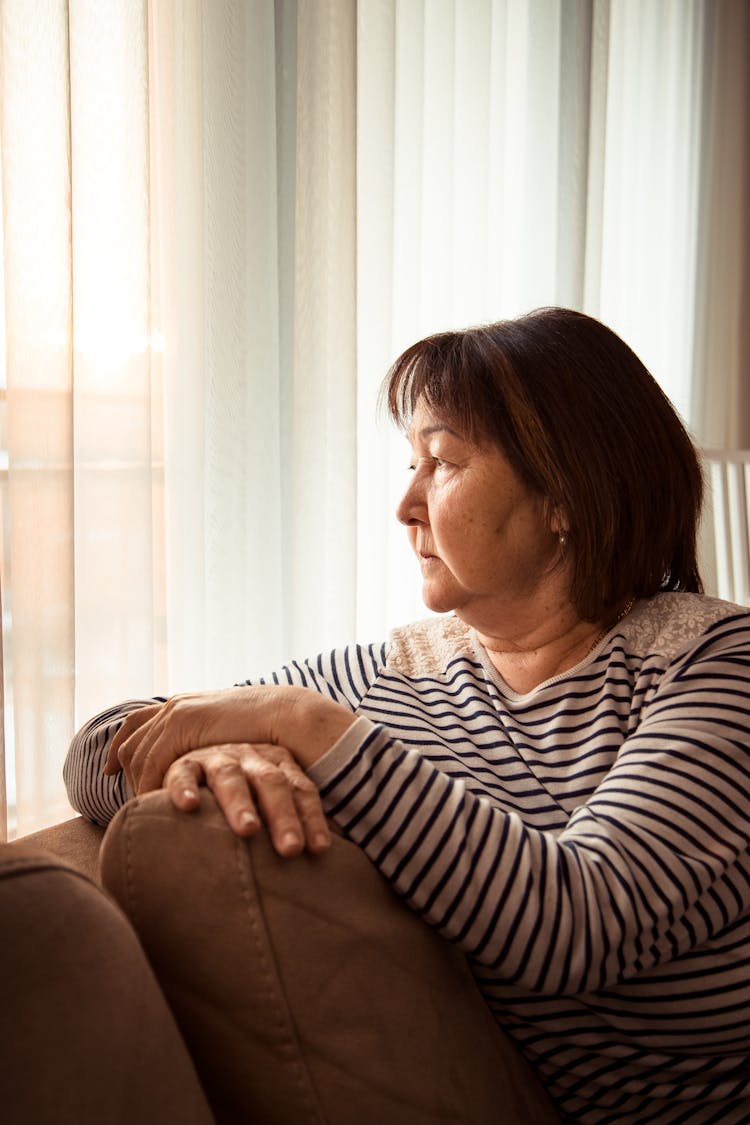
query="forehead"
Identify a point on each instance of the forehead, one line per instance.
(425, 422)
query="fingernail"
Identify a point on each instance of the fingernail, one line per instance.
(290, 840)
(321, 840)
(189, 794)
(248, 819)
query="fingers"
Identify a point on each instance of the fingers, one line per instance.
(142, 747)
(285, 815)
(308, 808)
(182, 724)
(183, 781)
(132, 723)
(150, 763)
(254, 784)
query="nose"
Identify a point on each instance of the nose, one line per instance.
(411, 509)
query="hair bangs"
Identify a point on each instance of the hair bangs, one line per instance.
(439, 370)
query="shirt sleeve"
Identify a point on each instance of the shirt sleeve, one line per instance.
(90, 792)
(345, 675)
(651, 865)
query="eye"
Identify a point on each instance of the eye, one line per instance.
(435, 462)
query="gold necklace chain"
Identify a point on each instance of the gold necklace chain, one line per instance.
(601, 635)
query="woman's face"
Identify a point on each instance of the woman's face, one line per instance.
(482, 537)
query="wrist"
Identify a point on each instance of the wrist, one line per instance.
(310, 724)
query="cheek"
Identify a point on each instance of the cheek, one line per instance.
(523, 515)
(459, 531)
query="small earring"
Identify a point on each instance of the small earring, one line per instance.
(563, 537)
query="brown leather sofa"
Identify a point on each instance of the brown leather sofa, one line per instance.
(257, 990)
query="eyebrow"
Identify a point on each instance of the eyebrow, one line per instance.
(428, 431)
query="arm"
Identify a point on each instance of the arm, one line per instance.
(249, 745)
(343, 676)
(230, 741)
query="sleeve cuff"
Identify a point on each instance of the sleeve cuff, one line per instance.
(342, 750)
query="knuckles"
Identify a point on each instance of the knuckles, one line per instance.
(265, 772)
(125, 753)
(221, 768)
(272, 767)
(303, 784)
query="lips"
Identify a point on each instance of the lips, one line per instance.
(425, 553)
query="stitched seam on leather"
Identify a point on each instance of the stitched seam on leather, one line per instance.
(274, 986)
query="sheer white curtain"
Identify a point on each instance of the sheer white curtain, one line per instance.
(179, 194)
(253, 111)
(222, 220)
(83, 488)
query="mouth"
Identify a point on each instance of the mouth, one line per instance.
(426, 556)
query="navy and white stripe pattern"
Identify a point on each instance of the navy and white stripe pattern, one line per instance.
(90, 792)
(586, 844)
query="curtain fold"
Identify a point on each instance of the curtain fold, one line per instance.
(115, 542)
(652, 150)
(324, 388)
(721, 384)
(222, 219)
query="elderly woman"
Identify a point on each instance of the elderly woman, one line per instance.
(554, 773)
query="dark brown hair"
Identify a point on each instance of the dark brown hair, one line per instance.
(585, 425)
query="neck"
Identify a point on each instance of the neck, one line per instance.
(526, 658)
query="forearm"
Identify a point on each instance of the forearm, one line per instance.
(306, 723)
(250, 746)
(337, 679)
(303, 721)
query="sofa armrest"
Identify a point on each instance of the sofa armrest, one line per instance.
(76, 841)
(304, 989)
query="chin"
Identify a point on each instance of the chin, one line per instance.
(437, 602)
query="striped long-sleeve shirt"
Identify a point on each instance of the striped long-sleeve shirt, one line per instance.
(585, 844)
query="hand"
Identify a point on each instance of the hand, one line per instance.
(254, 783)
(152, 738)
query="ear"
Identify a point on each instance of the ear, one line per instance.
(557, 519)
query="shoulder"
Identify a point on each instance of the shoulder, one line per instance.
(428, 646)
(667, 624)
